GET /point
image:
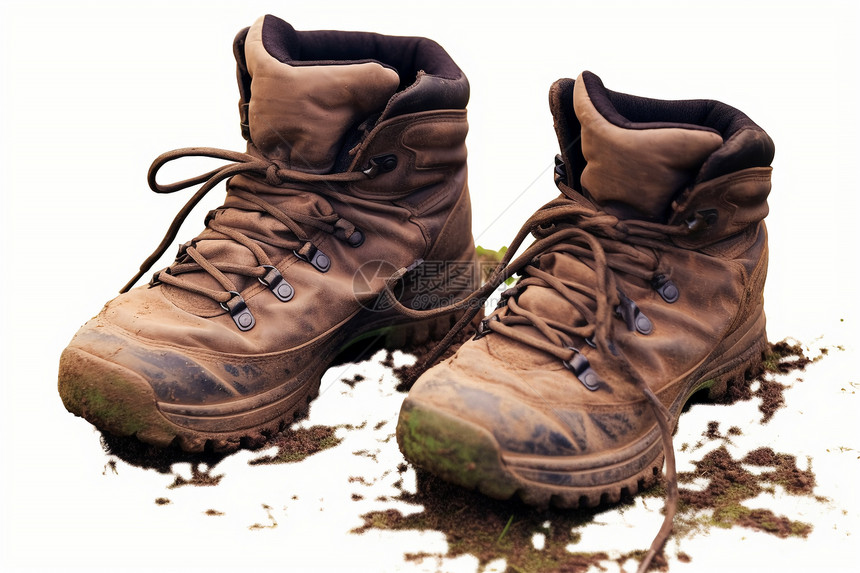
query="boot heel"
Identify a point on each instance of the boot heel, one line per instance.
(744, 355)
(747, 364)
(430, 285)
(406, 336)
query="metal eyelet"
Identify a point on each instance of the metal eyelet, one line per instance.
(239, 312)
(702, 219)
(484, 327)
(381, 164)
(581, 368)
(348, 233)
(275, 282)
(315, 257)
(666, 288)
(356, 239)
(633, 316)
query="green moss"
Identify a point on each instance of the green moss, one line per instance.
(454, 450)
(770, 361)
(800, 529)
(484, 254)
(730, 485)
(105, 403)
(657, 490)
(488, 259)
(489, 530)
(287, 457)
(728, 514)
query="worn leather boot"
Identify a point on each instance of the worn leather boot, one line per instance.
(643, 286)
(355, 173)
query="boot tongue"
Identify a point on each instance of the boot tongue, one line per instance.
(300, 112)
(634, 169)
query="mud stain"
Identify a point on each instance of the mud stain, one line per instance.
(715, 494)
(351, 382)
(492, 530)
(488, 529)
(201, 475)
(272, 522)
(295, 445)
(729, 484)
(781, 358)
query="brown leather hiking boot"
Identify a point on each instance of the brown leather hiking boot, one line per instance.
(644, 286)
(355, 171)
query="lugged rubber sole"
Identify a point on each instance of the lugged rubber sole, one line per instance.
(121, 402)
(468, 455)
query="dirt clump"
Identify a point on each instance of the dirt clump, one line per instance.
(713, 431)
(780, 358)
(351, 382)
(784, 357)
(200, 476)
(785, 471)
(294, 445)
(730, 484)
(489, 529)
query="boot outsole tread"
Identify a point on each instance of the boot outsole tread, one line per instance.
(120, 402)
(467, 455)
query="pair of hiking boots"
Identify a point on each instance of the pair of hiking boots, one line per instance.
(348, 219)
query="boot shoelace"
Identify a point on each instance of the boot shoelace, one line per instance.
(276, 175)
(577, 228)
(563, 226)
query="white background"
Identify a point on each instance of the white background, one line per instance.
(93, 91)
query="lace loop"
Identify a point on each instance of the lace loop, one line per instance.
(242, 163)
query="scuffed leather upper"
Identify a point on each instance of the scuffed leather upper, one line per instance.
(185, 343)
(622, 169)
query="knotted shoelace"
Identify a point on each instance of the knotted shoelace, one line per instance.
(609, 245)
(278, 179)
